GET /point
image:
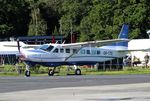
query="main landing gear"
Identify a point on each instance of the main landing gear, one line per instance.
(77, 71)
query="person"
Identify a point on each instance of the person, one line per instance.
(136, 61)
(146, 58)
(17, 65)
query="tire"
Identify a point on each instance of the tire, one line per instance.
(50, 72)
(77, 72)
(27, 73)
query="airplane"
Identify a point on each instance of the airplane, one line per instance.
(76, 54)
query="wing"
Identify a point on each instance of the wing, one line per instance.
(94, 43)
(30, 46)
(79, 46)
(23, 46)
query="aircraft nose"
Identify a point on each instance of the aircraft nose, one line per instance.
(22, 57)
(32, 55)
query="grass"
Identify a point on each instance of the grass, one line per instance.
(85, 71)
(8, 74)
(123, 72)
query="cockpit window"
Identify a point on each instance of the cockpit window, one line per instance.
(56, 50)
(46, 47)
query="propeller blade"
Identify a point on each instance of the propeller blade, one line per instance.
(18, 45)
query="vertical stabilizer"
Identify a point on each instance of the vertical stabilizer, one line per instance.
(124, 32)
(122, 35)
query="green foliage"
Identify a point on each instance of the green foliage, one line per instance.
(37, 25)
(9, 68)
(93, 19)
(55, 32)
(14, 17)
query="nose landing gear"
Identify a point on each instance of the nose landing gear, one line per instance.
(27, 71)
(51, 72)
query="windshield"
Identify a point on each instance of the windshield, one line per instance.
(46, 47)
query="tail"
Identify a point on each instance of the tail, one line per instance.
(124, 32)
(122, 35)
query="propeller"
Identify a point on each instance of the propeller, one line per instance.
(18, 45)
(21, 57)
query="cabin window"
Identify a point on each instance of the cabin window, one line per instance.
(98, 52)
(93, 52)
(67, 50)
(82, 51)
(88, 51)
(61, 50)
(56, 50)
(74, 50)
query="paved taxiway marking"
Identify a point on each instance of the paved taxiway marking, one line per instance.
(122, 92)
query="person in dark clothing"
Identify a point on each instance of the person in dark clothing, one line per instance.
(136, 61)
(146, 58)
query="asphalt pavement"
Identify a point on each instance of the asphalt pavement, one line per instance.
(76, 88)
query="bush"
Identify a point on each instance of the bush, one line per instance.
(9, 68)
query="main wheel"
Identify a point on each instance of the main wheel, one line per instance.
(77, 72)
(27, 73)
(50, 72)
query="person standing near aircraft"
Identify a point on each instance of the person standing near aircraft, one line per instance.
(136, 61)
(146, 58)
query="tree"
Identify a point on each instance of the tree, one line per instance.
(97, 25)
(74, 12)
(14, 18)
(51, 11)
(92, 19)
(37, 25)
(55, 32)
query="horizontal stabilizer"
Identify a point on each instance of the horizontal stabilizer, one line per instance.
(131, 50)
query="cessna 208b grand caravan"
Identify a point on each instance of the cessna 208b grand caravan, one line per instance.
(82, 53)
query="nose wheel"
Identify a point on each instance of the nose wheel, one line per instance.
(27, 71)
(51, 72)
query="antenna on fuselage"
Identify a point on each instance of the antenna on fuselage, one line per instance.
(63, 42)
(56, 42)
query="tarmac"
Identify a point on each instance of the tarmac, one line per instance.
(123, 92)
(129, 91)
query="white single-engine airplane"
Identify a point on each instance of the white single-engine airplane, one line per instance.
(83, 53)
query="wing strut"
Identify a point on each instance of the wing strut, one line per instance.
(73, 54)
